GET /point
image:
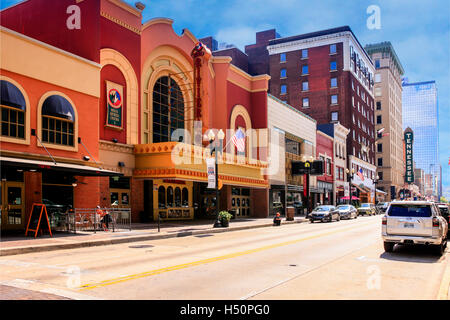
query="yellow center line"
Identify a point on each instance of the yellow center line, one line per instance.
(204, 261)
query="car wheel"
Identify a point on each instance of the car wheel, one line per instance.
(388, 246)
(439, 249)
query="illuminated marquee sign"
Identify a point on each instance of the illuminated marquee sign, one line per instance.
(409, 138)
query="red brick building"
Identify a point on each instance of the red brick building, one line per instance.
(327, 75)
(324, 152)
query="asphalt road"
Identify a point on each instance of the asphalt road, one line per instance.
(338, 260)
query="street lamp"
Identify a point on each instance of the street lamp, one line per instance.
(349, 180)
(375, 182)
(215, 149)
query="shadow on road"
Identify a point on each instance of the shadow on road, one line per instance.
(413, 253)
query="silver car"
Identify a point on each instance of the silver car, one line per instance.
(347, 211)
(414, 222)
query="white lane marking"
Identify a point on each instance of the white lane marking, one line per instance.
(24, 264)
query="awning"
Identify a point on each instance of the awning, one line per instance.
(76, 169)
(361, 189)
(353, 198)
(379, 191)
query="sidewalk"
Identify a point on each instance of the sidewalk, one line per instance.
(19, 244)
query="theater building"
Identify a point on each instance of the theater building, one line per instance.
(141, 106)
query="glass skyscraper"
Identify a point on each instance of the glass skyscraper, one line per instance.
(420, 113)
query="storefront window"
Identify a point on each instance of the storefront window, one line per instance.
(13, 108)
(185, 197)
(161, 197)
(177, 197)
(170, 197)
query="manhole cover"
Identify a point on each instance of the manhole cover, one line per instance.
(141, 246)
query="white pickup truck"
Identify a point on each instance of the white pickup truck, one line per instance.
(414, 222)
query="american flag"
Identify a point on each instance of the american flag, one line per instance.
(238, 140)
(360, 174)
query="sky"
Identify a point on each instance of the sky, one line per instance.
(419, 31)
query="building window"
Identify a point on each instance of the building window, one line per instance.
(283, 73)
(305, 102)
(58, 121)
(377, 63)
(283, 89)
(333, 66)
(379, 119)
(378, 105)
(334, 99)
(305, 69)
(328, 167)
(168, 109)
(304, 53)
(380, 175)
(305, 86)
(332, 48)
(13, 109)
(282, 57)
(377, 77)
(334, 85)
(377, 92)
(334, 116)
(380, 147)
(380, 162)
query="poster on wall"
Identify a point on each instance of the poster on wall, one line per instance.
(114, 105)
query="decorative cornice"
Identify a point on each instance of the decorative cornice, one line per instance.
(120, 22)
(156, 21)
(125, 6)
(116, 147)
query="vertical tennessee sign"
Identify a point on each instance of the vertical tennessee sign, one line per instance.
(409, 138)
(114, 105)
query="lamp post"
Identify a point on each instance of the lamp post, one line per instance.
(375, 182)
(349, 180)
(215, 149)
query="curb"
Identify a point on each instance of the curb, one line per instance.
(444, 290)
(93, 243)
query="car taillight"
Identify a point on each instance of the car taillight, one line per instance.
(435, 222)
(384, 221)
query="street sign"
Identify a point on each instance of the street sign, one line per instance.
(314, 168)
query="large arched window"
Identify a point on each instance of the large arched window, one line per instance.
(13, 109)
(168, 109)
(58, 121)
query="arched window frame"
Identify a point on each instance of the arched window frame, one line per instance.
(27, 116)
(39, 123)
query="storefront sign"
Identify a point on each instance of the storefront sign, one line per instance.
(114, 104)
(346, 190)
(211, 172)
(409, 138)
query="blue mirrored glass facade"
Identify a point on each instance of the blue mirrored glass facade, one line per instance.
(420, 113)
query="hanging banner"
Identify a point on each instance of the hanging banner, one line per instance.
(211, 172)
(114, 105)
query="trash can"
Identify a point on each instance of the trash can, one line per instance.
(290, 212)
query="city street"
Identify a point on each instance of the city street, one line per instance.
(338, 260)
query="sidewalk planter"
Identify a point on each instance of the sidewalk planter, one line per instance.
(225, 218)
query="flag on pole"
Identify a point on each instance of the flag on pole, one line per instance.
(238, 140)
(360, 174)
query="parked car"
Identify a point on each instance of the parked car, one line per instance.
(445, 209)
(325, 213)
(367, 209)
(347, 211)
(414, 222)
(381, 207)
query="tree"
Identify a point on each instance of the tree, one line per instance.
(443, 199)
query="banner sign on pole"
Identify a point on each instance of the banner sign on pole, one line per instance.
(211, 172)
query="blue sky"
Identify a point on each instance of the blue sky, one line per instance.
(419, 31)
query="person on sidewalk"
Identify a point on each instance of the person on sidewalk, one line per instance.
(277, 219)
(105, 218)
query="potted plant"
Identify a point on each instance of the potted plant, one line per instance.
(224, 217)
